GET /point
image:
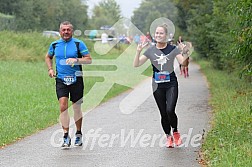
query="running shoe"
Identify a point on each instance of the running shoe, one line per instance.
(66, 142)
(177, 139)
(169, 143)
(78, 140)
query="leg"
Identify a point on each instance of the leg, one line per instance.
(77, 115)
(78, 123)
(160, 98)
(180, 68)
(187, 73)
(62, 94)
(172, 96)
(186, 67)
(76, 96)
(184, 71)
(171, 101)
(76, 93)
(64, 116)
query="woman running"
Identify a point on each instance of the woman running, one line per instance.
(165, 84)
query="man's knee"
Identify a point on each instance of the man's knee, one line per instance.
(63, 102)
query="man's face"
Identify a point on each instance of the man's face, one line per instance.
(66, 32)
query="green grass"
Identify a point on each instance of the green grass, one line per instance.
(28, 99)
(229, 142)
(28, 102)
(29, 47)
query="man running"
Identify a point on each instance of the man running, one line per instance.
(70, 53)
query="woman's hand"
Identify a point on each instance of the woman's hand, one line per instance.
(186, 49)
(181, 46)
(140, 46)
(139, 60)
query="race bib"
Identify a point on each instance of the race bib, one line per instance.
(161, 77)
(68, 80)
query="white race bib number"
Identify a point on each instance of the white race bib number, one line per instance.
(68, 80)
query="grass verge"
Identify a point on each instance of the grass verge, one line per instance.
(29, 102)
(229, 142)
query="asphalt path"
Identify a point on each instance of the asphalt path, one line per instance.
(124, 131)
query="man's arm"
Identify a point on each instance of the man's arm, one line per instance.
(49, 63)
(77, 61)
(85, 60)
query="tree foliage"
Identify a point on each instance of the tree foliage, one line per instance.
(9, 6)
(45, 15)
(242, 10)
(7, 22)
(221, 31)
(107, 12)
(150, 10)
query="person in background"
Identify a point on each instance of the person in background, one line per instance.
(70, 53)
(180, 40)
(104, 38)
(184, 66)
(180, 66)
(149, 38)
(137, 39)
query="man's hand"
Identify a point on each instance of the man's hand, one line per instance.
(71, 61)
(51, 73)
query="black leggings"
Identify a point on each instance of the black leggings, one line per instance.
(166, 100)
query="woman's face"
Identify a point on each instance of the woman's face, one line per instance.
(160, 35)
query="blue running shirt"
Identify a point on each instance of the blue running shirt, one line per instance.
(64, 50)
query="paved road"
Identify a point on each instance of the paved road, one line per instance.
(132, 139)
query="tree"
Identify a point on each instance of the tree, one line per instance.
(242, 31)
(9, 6)
(184, 8)
(150, 10)
(40, 15)
(107, 12)
(197, 23)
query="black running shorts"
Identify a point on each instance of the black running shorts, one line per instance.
(75, 90)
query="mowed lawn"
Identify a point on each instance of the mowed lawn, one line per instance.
(28, 98)
(28, 101)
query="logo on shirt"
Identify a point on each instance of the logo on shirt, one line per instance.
(162, 59)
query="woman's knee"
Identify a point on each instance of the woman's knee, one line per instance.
(170, 111)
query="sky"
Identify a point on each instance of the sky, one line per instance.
(127, 6)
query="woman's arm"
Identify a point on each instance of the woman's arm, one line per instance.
(181, 59)
(186, 51)
(139, 60)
